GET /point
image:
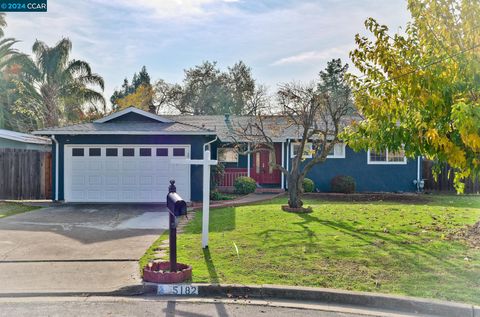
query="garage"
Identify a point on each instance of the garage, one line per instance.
(126, 157)
(126, 173)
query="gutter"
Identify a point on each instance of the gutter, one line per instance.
(56, 167)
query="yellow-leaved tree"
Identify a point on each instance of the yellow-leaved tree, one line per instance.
(142, 98)
(420, 89)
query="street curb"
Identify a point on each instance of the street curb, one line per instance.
(403, 304)
(394, 303)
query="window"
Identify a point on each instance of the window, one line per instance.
(178, 152)
(145, 152)
(94, 152)
(111, 152)
(228, 155)
(162, 152)
(128, 152)
(307, 152)
(386, 157)
(338, 151)
(77, 152)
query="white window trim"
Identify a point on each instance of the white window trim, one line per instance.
(307, 145)
(227, 148)
(335, 154)
(386, 162)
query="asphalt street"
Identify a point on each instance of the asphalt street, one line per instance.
(154, 306)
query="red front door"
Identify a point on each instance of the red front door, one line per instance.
(263, 172)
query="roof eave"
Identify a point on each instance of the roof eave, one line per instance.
(122, 133)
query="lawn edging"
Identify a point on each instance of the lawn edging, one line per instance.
(403, 304)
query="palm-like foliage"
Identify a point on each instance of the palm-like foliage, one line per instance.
(54, 88)
(8, 57)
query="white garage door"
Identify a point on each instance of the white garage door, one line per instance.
(124, 173)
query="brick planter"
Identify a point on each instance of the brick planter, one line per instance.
(159, 272)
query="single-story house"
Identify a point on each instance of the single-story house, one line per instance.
(128, 157)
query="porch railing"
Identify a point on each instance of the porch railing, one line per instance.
(230, 175)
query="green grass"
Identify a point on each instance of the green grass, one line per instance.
(388, 247)
(9, 209)
(150, 253)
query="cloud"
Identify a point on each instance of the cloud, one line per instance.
(311, 56)
(169, 9)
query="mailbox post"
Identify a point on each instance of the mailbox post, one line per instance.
(176, 208)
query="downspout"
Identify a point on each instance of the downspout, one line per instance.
(56, 167)
(208, 143)
(418, 169)
(283, 165)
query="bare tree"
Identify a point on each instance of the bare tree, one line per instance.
(310, 114)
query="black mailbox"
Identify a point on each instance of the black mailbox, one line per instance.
(176, 204)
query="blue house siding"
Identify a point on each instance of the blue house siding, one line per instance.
(368, 177)
(196, 143)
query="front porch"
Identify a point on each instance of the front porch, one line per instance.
(258, 166)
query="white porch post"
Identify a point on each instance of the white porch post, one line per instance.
(288, 161)
(282, 186)
(248, 159)
(206, 198)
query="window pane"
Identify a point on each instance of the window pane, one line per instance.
(112, 152)
(398, 156)
(178, 152)
(339, 150)
(129, 152)
(94, 152)
(227, 155)
(296, 147)
(162, 152)
(145, 152)
(380, 156)
(77, 152)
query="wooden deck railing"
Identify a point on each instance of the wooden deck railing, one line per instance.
(230, 175)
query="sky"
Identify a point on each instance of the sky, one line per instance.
(281, 41)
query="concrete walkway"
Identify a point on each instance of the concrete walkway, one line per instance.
(244, 200)
(76, 248)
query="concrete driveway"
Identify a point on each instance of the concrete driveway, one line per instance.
(77, 247)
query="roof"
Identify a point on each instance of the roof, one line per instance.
(23, 137)
(136, 128)
(230, 128)
(132, 109)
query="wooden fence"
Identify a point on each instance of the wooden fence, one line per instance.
(25, 174)
(444, 182)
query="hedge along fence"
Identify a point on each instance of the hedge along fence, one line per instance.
(25, 174)
(444, 182)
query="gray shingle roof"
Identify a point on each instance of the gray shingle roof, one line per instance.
(230, 129)
(126, 128)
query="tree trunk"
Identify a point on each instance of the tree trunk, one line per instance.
(294, 191)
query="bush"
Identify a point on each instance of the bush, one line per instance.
(308, 185)
(245, 185)
(216, 196)
(343, 184)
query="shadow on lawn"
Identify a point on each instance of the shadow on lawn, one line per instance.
(407, 251)
(212, 271)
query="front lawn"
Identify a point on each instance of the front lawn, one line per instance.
(9, 209)
(390, 247)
